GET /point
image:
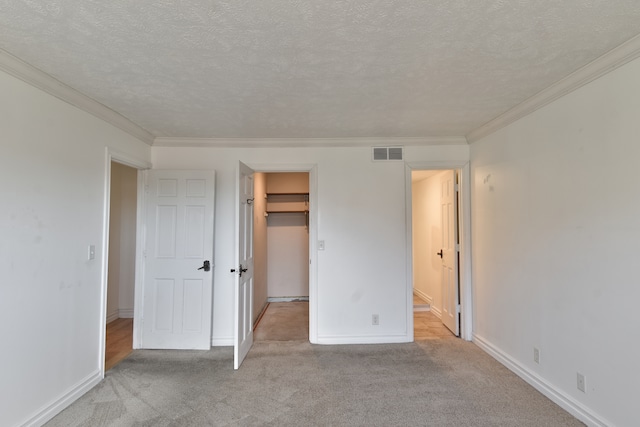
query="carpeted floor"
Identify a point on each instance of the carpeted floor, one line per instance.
(428, 383)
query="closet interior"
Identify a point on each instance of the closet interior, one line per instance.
(281, 239)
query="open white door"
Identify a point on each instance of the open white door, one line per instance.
(178, 252)
(449, 253)
(243, 269)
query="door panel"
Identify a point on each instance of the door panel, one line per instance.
(177, 294)
(243, 331)
(448, 203)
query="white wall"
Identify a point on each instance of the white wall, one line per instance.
(288, 182)
(288, 243)
(122, 241)
(427, 240)
(361, 218)
(52, 181)
(556, 238)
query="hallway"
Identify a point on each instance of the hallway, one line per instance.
(119, 342)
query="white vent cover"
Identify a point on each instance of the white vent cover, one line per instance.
(386, 153)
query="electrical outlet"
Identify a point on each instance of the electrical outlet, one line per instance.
(375, 319)
(536, 355)
(581, 382)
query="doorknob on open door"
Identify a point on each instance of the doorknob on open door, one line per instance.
(206, 266)
(440, 253)
(240, 270)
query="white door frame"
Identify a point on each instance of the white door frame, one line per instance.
(113, 155)
(312, 169)
(464, 223)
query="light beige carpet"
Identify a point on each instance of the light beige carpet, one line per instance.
(446, 382)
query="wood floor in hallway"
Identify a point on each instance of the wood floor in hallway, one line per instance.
(428, 326)
(289, 321)
(119, 342)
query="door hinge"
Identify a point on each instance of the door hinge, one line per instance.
(458, 308)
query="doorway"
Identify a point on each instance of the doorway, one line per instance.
(123, 200)
(281, 255)
(125, 255)
(437, 251)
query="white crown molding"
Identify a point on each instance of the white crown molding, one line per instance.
(306, 142)
(41, 80)
(606, 63)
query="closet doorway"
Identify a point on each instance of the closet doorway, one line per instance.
(281, 256)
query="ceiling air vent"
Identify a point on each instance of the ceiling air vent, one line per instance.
(387, 153)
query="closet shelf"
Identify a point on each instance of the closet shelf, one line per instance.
(287, 203)
(293, 211)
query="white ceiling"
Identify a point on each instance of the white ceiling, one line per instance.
(312, 69)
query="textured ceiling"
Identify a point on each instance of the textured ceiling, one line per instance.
(312, 69)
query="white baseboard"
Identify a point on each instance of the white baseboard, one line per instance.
(377, 339)
(125, 313)
(287, 299)
(114, 315)
(54, 408)
(222, 342)
(423, 296)
(122, 313)
(437, 312)
(563, 400)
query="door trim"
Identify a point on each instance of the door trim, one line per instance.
(113, 155)
(464, 223)
(312, 169)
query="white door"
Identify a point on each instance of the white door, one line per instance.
(179, 244)
(449, 252)
(243, 269)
